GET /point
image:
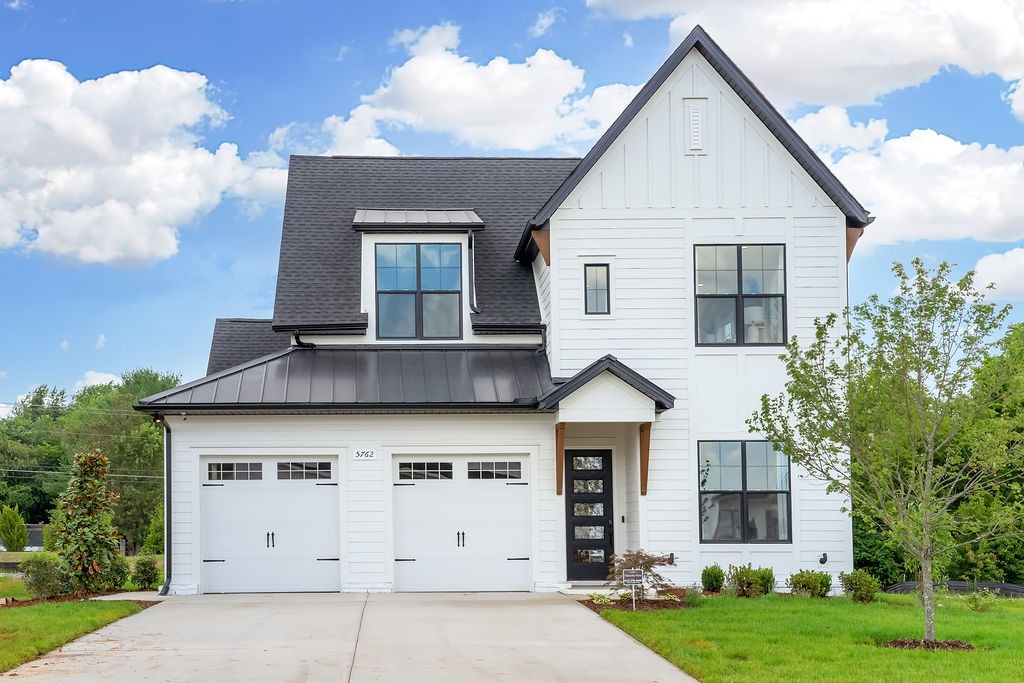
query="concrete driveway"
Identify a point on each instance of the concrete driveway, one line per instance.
(356, 637)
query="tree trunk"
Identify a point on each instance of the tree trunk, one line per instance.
(928, 597)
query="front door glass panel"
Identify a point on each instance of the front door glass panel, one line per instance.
(588, 514)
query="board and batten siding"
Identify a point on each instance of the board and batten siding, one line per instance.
(641, 208)
(365, 486)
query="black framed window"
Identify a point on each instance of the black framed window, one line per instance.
(234, 471)
(741, 294)
(597, 289)
(744, 492)
(419, 291)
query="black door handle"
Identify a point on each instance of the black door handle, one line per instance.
(463, 539)
(268, 539)
(272, 543)
(458, 542)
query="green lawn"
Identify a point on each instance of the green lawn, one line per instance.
(783, 638)
(13, 588)
(12, 557)
(27, 632)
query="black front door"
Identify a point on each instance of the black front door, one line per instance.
(588, 514)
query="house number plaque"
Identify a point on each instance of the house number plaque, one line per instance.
(364, 454)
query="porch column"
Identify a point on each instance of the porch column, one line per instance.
(645, 455)
(559, 457)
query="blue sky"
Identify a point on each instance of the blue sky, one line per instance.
(143, 145)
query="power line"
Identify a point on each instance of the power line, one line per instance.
(32, 474)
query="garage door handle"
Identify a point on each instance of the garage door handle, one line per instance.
(268, 539)
(516, 558)
(272, 543)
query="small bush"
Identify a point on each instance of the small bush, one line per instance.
(981, 600)
(645, 562)
(860, 585)
(810, 583)
(765, 579)
(145, 574)
(117, 573)
(671, 597)
(743, 579)
(46, 575)
(712, 579)
(154, 543)
(693, 597)
(50, 535)
(13, 531)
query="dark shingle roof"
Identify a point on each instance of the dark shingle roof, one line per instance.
(856, 214)
(318, 282)
(361, 378)
(240, 340)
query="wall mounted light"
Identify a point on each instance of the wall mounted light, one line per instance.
(823, 559)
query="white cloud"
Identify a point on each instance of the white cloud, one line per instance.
(65, 345)
(6, 410)
(830, 132)
(545, 20)
(1015, 98)
(843, 53)
(3, 374)
(101, 341)
(342, 51)
(627, 39)
(108, 170)
(1003, 270)
(93, 377)
(16, 4)
(929, 186)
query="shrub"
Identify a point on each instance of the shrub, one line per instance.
(712, 579)
(765, 579)
(810, 583)
(50, 530)
(145, 574)
(693, 597)
(743, 579)
(46, 575)
(117, 574)
(86, 539)
(646, 562)
(860, 585)
(13, 532)
(154, 543)
(981, 600)
(596, 598)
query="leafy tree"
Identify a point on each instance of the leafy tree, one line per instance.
(889, 407)
(876, 553)
(33, 463)
(86, 539)
(13, 532)
(154, 544)
(101, 417)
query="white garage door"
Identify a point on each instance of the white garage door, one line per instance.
(270, 525)
(462, 524)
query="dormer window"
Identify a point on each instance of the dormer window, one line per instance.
(419, 291)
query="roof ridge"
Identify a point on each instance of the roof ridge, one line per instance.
(432, 158)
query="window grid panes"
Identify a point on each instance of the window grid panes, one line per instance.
(234, 471)
(744, 492)
(495, 470)
(303, 470)
(424, 470)
(597, 289)
(419, 291)
(740, 294)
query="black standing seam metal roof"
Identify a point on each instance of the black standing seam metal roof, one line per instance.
(239, 340)
(856, 214)
(662, 399)
(471, 378)
(319, 279)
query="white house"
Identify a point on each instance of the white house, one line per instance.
(493, 373)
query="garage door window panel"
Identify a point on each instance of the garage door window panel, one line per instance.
(303, 470)
(494, 470)
(234, 471)
(424, 470)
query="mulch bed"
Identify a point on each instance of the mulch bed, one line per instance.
(642, 604)
(912, 644)
(143, 604)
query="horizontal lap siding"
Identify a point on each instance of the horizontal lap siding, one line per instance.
(642, 208)
(366, 525)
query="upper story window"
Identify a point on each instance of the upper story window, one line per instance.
(597, 289)
(741, 294)
(744, 492)
(419, 291)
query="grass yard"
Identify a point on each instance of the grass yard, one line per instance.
(13, 557)
(27, 632)
(783, 638)
(11, 587)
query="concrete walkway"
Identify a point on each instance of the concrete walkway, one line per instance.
(423, 637)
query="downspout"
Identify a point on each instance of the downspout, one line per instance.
(168, 553)
(301, 344)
